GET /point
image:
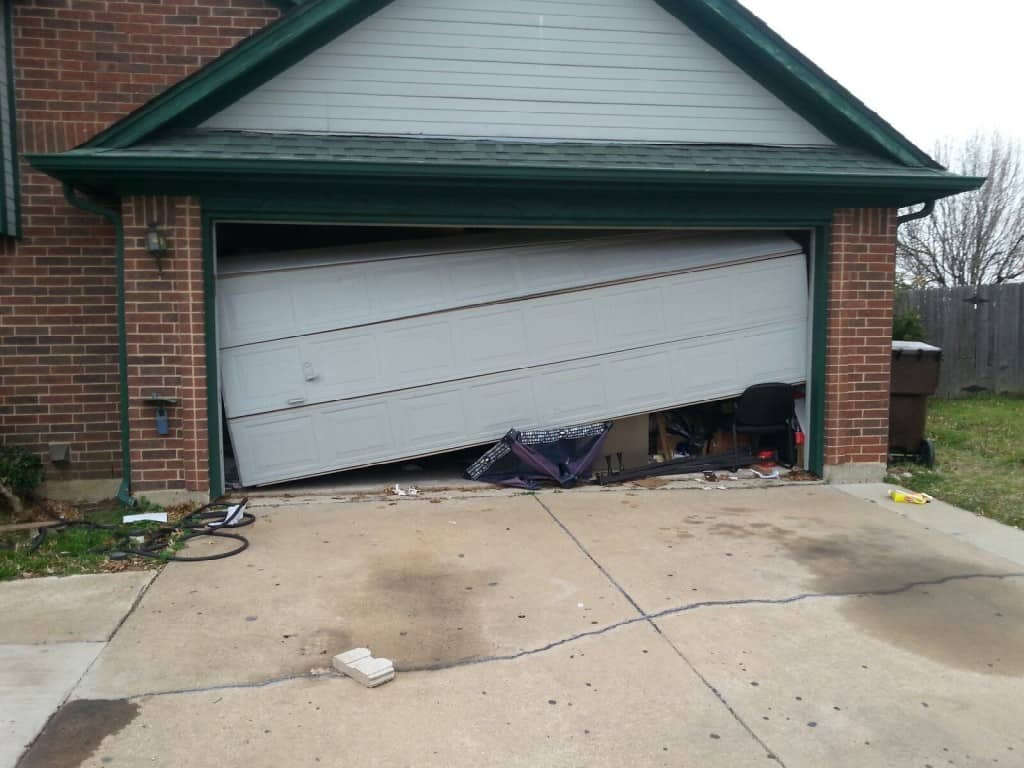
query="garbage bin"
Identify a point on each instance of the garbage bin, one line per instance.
(915, 376)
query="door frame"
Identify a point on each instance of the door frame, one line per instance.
(357, 212)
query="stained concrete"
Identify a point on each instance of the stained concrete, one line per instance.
(621, 699)
(857, 682)
(34, 681)
(421, 583)
(598, 627)
(667, 548)
(68, 608)
(981, 532)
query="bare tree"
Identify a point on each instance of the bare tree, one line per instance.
(975, 238)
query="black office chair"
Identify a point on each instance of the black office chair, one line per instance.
(766, 409)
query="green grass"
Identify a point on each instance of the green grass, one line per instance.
(73, 550)
(979, 447)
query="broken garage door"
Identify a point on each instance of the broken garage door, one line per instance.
(360, 355)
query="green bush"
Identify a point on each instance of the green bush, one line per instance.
(907, 326)
(20, 471)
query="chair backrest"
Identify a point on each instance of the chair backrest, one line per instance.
(765, 405)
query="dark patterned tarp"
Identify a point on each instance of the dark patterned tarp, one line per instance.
(525, 459)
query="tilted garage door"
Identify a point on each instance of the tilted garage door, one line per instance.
(361, 355)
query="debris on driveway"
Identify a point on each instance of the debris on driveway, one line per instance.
(361, 666)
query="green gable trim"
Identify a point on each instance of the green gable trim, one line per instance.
(725, 24)
(796, 80)
(249, 64)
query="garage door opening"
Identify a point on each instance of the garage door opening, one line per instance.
(344, 347)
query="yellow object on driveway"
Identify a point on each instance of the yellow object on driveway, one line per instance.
(909, 498)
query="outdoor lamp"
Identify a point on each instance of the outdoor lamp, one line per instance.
(156, 244)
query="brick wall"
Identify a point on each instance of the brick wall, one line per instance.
(861, 277)
(79, 66)
(166, 345)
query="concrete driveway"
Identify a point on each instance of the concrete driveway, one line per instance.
(668, 626)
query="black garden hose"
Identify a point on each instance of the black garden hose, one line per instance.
(207, 521)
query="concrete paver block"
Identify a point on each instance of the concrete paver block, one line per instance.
(361, 666)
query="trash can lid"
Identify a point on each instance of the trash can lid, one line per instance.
(913, 346)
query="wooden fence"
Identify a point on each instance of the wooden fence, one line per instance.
(981, 332)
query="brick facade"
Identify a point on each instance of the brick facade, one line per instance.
(79, 66)
(83, 64)
(861, 281)
(166, 344)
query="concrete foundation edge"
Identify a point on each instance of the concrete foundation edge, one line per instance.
(855, 473)
(79, 490)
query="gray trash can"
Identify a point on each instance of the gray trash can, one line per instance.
(915, 377)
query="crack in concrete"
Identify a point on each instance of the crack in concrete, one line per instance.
(234, 686)
(650, 621)
(643, 617)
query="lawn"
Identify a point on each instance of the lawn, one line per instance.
(79, 548)
(979, 447)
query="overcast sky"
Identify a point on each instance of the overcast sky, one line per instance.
(933, 68)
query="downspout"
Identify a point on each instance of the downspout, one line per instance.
(928, 210)
(124, 493)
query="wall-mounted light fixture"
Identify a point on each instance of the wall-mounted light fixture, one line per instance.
(156, 244)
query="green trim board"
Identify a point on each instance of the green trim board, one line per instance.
(819, 345)
(114, 217)
(725, 24)
(214, 443)
(215, 162)
(10, 182)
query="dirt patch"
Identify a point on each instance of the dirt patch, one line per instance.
(76, 731)
(420, 610)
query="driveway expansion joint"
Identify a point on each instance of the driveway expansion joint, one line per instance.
(770, 753)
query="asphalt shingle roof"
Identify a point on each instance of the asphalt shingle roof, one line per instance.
(419, 151)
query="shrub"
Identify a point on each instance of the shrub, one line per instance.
(20, 473)
(907, 326)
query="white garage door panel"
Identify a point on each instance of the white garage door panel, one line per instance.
(312, 297)
(538, 331)
(445, 416)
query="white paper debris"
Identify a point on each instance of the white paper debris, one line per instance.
(400, 491)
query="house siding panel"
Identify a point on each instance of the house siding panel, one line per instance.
(546, 69)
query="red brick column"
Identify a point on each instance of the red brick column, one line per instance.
(861, 276)
(166, 345)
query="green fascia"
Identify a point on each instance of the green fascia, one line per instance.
(285, 5)
(725, 24)
(170, 175)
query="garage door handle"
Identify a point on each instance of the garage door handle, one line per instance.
(297, 401)
(309, 373)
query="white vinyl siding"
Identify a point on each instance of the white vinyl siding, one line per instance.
(590, 70)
